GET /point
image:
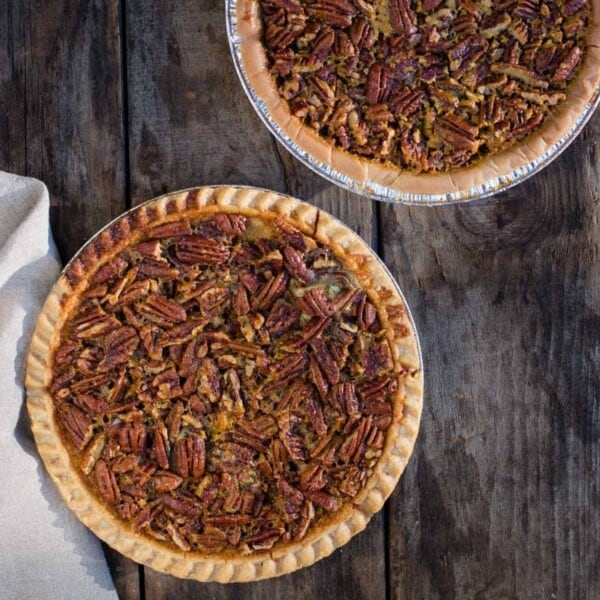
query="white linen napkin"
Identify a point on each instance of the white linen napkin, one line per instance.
(45, 552)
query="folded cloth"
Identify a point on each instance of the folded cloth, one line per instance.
(45, 552)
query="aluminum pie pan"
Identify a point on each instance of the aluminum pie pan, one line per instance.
(93, 512)
(375, 190)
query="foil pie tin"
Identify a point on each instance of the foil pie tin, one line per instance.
(372, 189)
(94, 513)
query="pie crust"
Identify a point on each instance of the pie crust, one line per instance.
(498, 171)
(320, 540)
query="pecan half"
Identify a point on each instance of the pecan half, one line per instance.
(318, 378)
(211, 541)
(367, 314)
(269, 292)
(195, 250)
(241, 304)
(263, 540)
(326, 360)
(92, 405)
(93, 324)
(159, 445)
(313, 477)
(315, 415)
(92, 453)
(294, 443)
(162, 311)
(377, 389)
(344, 397)
(281, 318)
(333, 12)
(177, 538)
(115, 268)
(77, 424)
(64, 354)
(125, 463)
(189, 457)
(149, 249)
(106, 483)
(154, 268)
(284, 371)
(378, 83)
(303, 523)
(165, 481)
(182, 505)
(328, 502)
(120, 345)
(231, 457)
(402, 17)
(146, 516)
(230, 224)
(173, 421)
(315, 302)
(296, 267)
(171, 230)
(567, 67)
(457, 133)
(131, 436)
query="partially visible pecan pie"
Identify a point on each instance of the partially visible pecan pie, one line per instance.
(420, 86)
(228, 382)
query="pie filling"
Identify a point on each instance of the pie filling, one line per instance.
(427, 85)
(225, 384)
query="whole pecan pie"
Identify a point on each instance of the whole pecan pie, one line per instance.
(225, 384)
(425, 95)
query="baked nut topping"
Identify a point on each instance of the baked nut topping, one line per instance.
(226, 383)
(425, 85)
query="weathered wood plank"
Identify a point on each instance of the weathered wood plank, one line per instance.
(13, 41)
(127, 575)
(191, 124)
(66, 63)
(61, 121)
(500, 499)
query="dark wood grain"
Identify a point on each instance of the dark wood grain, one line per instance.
(13, 132)
(190, 123)
(501, 497)
(61, 121)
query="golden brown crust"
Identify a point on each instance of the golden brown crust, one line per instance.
(321, 540)
(370, 177)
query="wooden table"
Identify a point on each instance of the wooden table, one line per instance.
(111, 103)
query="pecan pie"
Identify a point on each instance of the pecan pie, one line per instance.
(425, 95)
(225, 384)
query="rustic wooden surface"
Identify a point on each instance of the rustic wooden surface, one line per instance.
(111, 103)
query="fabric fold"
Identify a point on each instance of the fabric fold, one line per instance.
(46, 551)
